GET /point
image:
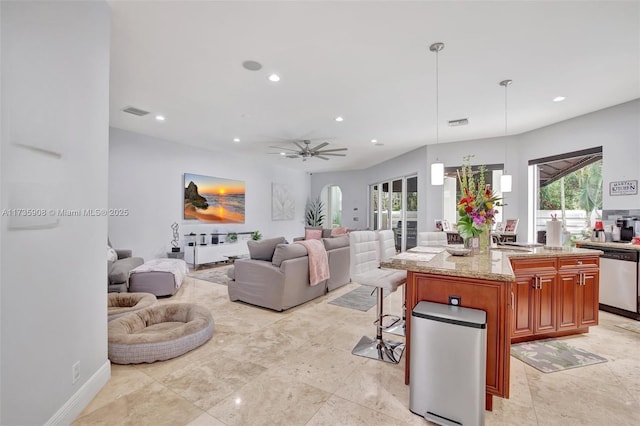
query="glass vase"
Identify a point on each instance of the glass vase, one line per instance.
(484, 239)
(472, 243)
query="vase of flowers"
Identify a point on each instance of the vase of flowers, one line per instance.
(476, 208)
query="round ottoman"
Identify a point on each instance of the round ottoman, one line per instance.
(119, 304)
(159, 333)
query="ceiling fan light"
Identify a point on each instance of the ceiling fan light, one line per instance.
(437, 174)
(505, 183)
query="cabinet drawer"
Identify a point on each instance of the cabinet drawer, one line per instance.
(578, 262)
(537, 264)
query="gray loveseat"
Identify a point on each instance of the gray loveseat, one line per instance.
(118, 270)
(277, 275)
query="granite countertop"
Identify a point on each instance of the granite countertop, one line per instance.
(623, 246)
(492, 265)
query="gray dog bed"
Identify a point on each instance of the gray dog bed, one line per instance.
(159, 333)
(119, 304)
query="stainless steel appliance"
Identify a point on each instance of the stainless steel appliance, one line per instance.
(448, 364)
(619, 281)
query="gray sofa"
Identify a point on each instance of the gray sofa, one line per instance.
(118, 270)
(277, 275)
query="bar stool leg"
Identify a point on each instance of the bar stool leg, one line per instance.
(379, 348)
(399, 327)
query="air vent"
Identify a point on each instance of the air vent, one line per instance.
(135, 111)
(459, 122)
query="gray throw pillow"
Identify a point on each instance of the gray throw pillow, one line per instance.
(288, 251)
(336, 242)
(263, 249)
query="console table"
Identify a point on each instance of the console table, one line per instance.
(197, 253)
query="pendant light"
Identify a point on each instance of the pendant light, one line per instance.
(505, 179)
(437, 168)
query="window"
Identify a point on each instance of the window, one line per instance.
(569, 186)
(332, 201)
(451, 193)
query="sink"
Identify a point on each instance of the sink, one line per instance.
(510, 249)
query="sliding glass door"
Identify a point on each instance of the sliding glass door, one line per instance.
(394, 205)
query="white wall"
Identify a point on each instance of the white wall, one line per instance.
(616, 129)
(146, 177)
(55, 96)
(355, 186)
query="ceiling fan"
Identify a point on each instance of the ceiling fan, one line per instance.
(305, 151)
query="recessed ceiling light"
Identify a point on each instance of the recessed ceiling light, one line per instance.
(339, 119)
(160, 117)
(374, 140)
(559, 99)
(274, 77)
(236, 139)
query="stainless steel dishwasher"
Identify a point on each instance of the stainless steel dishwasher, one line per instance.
(619, 285)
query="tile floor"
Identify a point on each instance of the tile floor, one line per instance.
(296, 368)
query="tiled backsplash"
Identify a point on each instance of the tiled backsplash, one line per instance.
(616, 214)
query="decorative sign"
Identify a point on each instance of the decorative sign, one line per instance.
(623, 187)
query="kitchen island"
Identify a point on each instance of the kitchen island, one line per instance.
(511, 285)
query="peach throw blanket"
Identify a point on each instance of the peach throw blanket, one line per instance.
(318, 261)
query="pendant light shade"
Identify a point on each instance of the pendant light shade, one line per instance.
(437, 168)
(437, 173)
(505, 179)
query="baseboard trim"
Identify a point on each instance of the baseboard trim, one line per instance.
(81, 399)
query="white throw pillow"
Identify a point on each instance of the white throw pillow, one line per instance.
(112, 256)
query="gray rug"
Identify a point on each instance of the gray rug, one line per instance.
(552, 355)
(635, 327)
(216, 274)
(359, 298)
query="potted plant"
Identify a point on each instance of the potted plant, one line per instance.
(256, 235)
(232, 237)
(314, 213)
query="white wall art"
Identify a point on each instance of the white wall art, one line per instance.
(283, 204)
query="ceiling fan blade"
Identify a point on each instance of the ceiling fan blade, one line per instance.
(322, 145)
(320, 156)
(298, 145)
(286, 149)
(291, 156)
(332, 150)
(329, 153)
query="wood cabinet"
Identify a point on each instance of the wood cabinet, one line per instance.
(579, 281)
(535, 297)
(493, 297)
(554, 296)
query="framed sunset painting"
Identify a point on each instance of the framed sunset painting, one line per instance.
(213, 200)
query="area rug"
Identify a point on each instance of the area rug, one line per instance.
(359, 298)
(552, 355)
(635, 327)
(216, 275)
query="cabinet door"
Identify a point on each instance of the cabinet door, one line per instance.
(588, 298)
(568, 289)
(523, 296)
(545, 302)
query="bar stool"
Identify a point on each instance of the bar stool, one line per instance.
(387, 251)
(365, 270)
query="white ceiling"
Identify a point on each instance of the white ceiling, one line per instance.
(368, 62)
